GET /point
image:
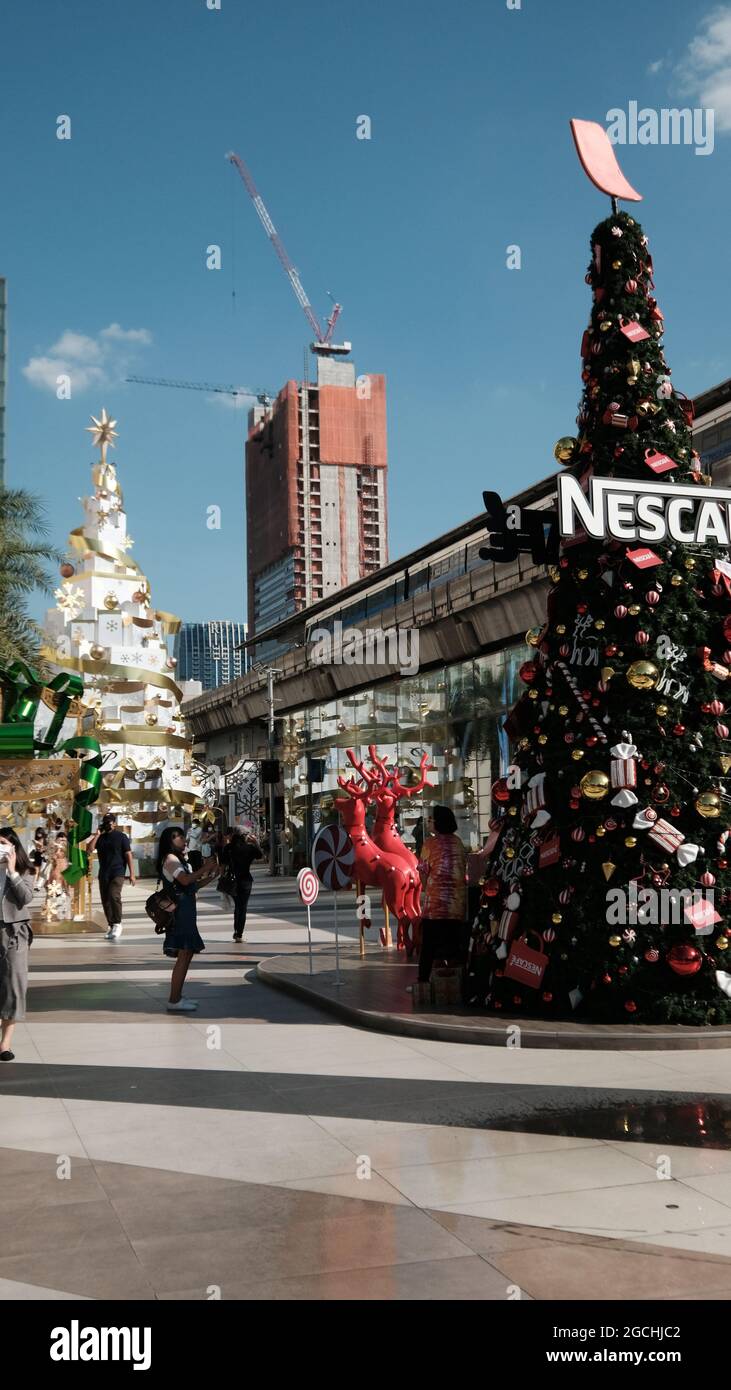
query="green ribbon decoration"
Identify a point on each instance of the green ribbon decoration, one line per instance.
(80, 814)
(17, 736)
(17, 739)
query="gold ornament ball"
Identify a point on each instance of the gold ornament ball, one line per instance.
(594, 785)
(151, 718)
(634, 609)
(615, 941)
(616, 265)
(643, 675)
(533, 636)
(543, 738)
(708, 805)
(96, 653)
(533, 693)
(661, 711)
(510, 852)
(563, 449)
(605, 326)
(554, 573)
(556, 918)
(676, 579)
(577, 754)
(111, 602)
(582, 574)
(560, 628)
(631, 841)
(689, 563)
(512, 810)
(600, 624)
(563, 709)
(722, 943)
(524, 743)
(600, 830)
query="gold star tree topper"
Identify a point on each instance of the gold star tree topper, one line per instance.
(104, 433)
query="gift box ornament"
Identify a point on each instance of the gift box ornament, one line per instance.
(534, 801)
(527, 963)
(549, 851)
(665, 835)
(703, 916)
(623, 773)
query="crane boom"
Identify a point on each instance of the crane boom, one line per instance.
(322, 338)
(263, 397)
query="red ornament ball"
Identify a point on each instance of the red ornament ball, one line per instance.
(642, 638)
(652, 597)
(621, 610)
(652, 955)
(66, 570)
(491, 887)
(501, 791)
(679, 730)
(630, 1006)
(528, 672)
(547, 997)
(716, 707)
(707, 879)
(684, 958)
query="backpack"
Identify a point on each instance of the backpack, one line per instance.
(160, 907)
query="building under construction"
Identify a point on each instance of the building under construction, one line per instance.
(316, 469)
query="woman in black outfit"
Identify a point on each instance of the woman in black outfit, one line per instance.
(242, 852)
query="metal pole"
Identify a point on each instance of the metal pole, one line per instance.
(337, 951)
(272, 788)
(309, 936)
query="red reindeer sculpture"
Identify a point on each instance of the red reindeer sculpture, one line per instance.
(376, 867)
(387, 790)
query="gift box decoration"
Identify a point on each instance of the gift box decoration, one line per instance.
(623, 773)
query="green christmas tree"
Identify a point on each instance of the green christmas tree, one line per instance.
(608, 882)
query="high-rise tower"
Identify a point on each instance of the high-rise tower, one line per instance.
(316, 509)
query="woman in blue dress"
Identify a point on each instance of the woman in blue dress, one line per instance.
(183, 940)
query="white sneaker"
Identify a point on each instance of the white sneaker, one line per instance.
(184, 1006)
(115, 933)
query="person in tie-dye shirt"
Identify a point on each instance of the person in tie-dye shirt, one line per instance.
(444, 893)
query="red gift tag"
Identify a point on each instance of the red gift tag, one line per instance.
(549, 852)
(703, 915)
(643, 558)
(525, 963)
(633, 330)
(659, 463)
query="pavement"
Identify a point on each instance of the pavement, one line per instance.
(262, 1149)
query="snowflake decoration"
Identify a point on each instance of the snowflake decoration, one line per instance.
(70, 600)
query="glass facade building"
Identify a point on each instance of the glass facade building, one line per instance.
(210, 653)
(454, 713)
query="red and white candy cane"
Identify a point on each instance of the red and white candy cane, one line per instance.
(574, 687)
(721, 845)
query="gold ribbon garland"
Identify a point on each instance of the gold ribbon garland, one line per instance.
(97, 669)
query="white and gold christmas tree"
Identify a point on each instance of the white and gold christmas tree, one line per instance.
(105, 627)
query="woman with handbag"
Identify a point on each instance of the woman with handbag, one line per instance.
(242, 852)
(16, 896)
(182, 939)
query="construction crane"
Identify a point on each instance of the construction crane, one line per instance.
(263, 397)
(323, 344)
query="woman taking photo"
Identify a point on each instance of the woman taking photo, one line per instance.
(16, 896)
(183, 940)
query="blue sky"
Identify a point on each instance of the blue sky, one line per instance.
(470, 152)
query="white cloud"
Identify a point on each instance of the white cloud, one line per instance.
(89, 362)
(126, 335)
(706, 71)
(655, 67)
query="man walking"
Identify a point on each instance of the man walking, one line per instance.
(115, 858)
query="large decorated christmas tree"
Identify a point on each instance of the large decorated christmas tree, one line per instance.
(105, 627)
(606, 893)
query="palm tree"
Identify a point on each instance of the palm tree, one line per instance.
(25, 555)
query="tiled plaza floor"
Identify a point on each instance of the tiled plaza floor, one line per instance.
(260, 1149)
